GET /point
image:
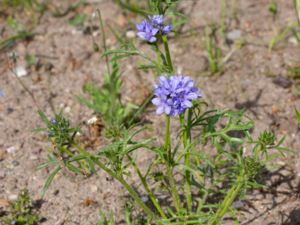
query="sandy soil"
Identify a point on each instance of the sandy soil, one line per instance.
(251, 80)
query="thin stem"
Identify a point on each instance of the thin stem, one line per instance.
(234, 191)
(158, 57)
(104, 41)
(131, 191)
(147, 189)
(174, 192)
(168, 138)
(167, 52)
(127, 186)
(186, 143)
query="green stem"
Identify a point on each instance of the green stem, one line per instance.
(148, 190)
(127, 186)
(234, 191)
(131, 191)
(167, 52)
(168, 138)
(158, 58)
(174, 192)
(186, 144)
(82, 165)
(103, 40)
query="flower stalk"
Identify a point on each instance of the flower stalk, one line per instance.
(232, 194)
(174, 192)
(147, 188)
(167, 52)
(119, 178)
(186, 144)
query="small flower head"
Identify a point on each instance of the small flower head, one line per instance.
(157, 20)
(150, 27)
(146, 31)
(53, 121)
(174, 95)
(167, 29)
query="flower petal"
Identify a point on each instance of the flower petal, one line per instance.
(156, 101)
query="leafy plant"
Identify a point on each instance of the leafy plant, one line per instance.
(213, 51)
(21, 211)
(106, 102)
(213, 161)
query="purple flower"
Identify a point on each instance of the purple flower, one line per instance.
(146, 31)
(149, 28)
(157, 20)
(167, 29)
(53, 121)
(174, 95)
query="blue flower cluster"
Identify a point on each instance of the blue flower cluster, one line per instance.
(149, 28)
(174, 95)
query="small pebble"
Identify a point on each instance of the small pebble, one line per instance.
(15, 163)
(282, 81)
(94, 188)
(293, 41)
(130, 34)
(144, 199)
(21, 71)
(92, 120)
(233, 35)
(33, 157)
(49, 66)
(238, 204)
(13, 197)
(67, 109)
(11, 150)
(9, 110)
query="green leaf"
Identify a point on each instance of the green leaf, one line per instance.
(297, 116)
(44, 117)
(78, 20)
(50, 179)
(73, 168)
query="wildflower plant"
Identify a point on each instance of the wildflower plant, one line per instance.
(213, 161)
(22, 211)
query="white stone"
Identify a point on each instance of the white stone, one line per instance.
(234, 35)
(13, 197)
(67, 109)
(293, 41)
(21, 71)
(92, 120)
(11, 150)
(130, 34)
(94, 188)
